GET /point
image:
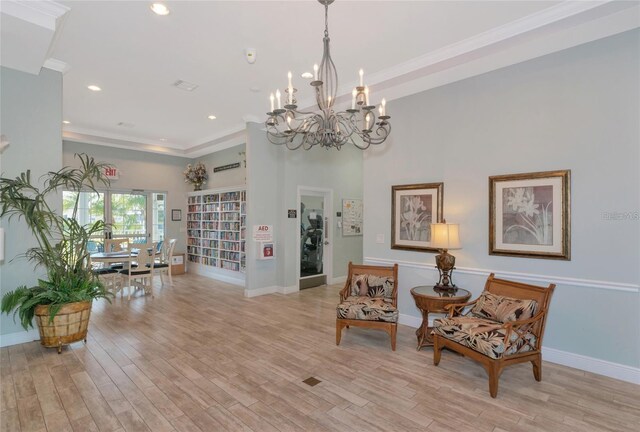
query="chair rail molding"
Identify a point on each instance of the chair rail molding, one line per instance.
(560, 280)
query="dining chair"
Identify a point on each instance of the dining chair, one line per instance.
(162, 265)
(140, 271)
(108, 276)
(116, 245)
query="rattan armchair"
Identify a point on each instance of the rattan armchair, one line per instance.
(369, 299)
(504, 326)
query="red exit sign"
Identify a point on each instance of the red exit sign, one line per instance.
(111, 173)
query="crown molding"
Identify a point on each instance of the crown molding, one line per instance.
(123, 143)
(41, 13)
(57, 65)
(496, 35)
(228, 139)
(559, 27)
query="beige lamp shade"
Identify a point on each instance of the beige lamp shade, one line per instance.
(445, 236)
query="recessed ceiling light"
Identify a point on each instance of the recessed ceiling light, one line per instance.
(94, 88)
(254, 89)
(211, 117)
(307, 75)
(163, 139)
(160, 9)
(66, 122)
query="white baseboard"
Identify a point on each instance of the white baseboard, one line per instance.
(577, 361)
(410, 320)
(289, 289)
(270, 290)
(19, 337)
(589, 364)
(338, 280)
(261, 291)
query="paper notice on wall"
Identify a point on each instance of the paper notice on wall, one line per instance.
(352, 217)
(263, 233)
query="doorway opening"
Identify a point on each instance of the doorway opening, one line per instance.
(314, 254)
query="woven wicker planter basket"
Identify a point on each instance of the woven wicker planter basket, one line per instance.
(69, 325)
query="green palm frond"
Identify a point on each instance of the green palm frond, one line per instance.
(61, 242)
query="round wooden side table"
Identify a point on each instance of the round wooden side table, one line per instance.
(429, 300)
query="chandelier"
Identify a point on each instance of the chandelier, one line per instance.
(358, 125)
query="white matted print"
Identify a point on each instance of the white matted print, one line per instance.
(413, 209)
(529, 215)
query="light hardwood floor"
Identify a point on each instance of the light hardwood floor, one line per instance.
(201, 357)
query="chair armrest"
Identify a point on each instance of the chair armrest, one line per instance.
(516, 325)
(455, 309)
(344, 292)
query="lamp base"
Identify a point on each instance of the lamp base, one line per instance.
(445, 262)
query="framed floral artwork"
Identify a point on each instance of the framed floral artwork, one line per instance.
(413, 209)
(529, 215)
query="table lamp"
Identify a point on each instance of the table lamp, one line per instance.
(445, 236)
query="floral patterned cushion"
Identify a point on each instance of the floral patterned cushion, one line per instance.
(503, 309)
(368, 309)
(371, 286)
(482, 335)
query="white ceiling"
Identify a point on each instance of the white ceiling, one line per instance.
(403, 46)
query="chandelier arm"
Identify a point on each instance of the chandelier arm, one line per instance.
(327, 128)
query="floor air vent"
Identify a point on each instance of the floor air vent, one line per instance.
(311, 381)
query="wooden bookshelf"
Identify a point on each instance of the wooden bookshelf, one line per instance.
(216, 233)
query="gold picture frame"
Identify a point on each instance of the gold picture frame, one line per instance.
(530, 215)
(413, 208)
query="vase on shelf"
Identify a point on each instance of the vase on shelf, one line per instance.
(197, 187)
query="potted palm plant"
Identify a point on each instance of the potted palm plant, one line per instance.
(61, 302)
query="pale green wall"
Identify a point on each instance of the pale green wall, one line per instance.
(31, 118)
(340, 171)
(274, 174)
(142, 170)
(232, 177)
(576, 109)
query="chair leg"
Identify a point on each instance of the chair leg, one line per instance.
(493, 369)
(129, 287)
(393, 332)
(170, 275)
(537, 367)
(338, 332)
(437, 350)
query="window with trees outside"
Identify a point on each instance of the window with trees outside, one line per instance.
(135, 215)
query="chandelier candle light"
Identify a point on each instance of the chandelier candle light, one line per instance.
(327, 128)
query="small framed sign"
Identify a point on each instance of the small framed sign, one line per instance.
(292, 213)
(226, 167)
(176, 214)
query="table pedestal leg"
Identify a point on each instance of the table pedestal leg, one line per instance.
(424, 332)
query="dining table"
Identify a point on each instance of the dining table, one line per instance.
(107, 258)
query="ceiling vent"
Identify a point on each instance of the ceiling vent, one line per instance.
(127, 125)
(185, 85)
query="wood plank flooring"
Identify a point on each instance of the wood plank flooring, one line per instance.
(201, 357)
